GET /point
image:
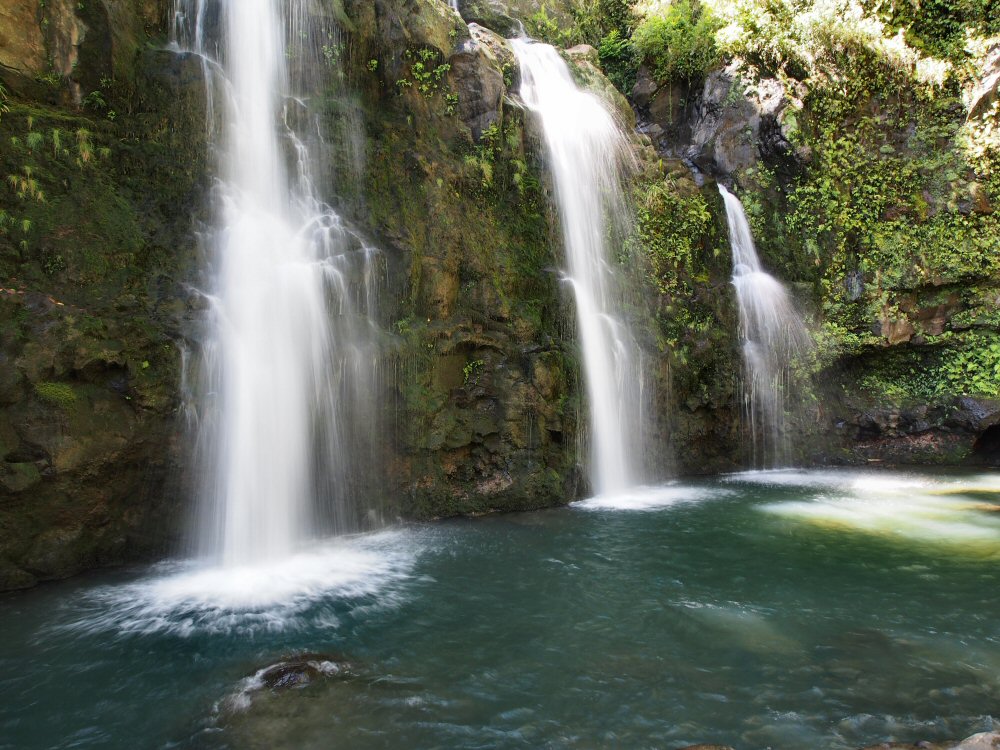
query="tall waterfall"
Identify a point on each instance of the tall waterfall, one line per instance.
(288, 355)
(773, 336)
(588, 154)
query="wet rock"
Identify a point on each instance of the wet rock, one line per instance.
(505, 16)
(707, 747)
(726, 126)
(735, 124)
(12, 577)
(270, 683)
(18, 477)
(644, 89)
(982, 741)
(854, 285)
(586, 62)
(301, 671)
(476, 78)
(492, 15)
(974, 415)
(896, 331)
(22, 47)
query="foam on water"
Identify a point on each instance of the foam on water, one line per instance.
(186, 598)
(860, 480)
(650, 498)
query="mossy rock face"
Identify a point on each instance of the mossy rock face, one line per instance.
(507, 17)
(486, 392)
(870, 202)
(96, 250)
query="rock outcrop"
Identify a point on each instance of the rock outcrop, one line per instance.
(95, 252)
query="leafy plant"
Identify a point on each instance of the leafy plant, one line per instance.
(471, 370)
(678, 43)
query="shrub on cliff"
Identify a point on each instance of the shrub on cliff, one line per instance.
(678, 43)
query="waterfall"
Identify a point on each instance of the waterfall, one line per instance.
(773, 336)
(288, 357)
(588, 154)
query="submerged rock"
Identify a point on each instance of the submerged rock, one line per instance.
(981, 741)
(294, 673)
(301, 671)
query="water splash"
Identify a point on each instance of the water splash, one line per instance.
(588, 155)
(289, 361)
(309, 589)
(652, 498)
(773, 337)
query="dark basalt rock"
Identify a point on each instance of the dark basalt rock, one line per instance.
(491, 14)
(302, 670)
(477, 80)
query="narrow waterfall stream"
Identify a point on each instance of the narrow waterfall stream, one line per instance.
(773, 335)
(588, 155)
(288, 356)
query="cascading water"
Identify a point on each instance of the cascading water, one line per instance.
(289, 357)
(773, 336)
(588, 155)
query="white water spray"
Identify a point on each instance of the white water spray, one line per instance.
(773, 336)
(290, 347)
(588, 155)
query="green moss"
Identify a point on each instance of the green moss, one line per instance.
(889, 209)
(56, 394)
(677, 232)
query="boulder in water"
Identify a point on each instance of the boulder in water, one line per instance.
(981, 741)
(301, 671)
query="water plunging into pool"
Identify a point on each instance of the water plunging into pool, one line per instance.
(588, 155)
(288, 357)
(773, 335)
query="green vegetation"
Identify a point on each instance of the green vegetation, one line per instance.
(471, 371)
(427, 75)
(971, 369)
(890, 218)
(678, 234)
(56, 394)
(938, 27)
(678, 43)
(606, 25)
(38, 157)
